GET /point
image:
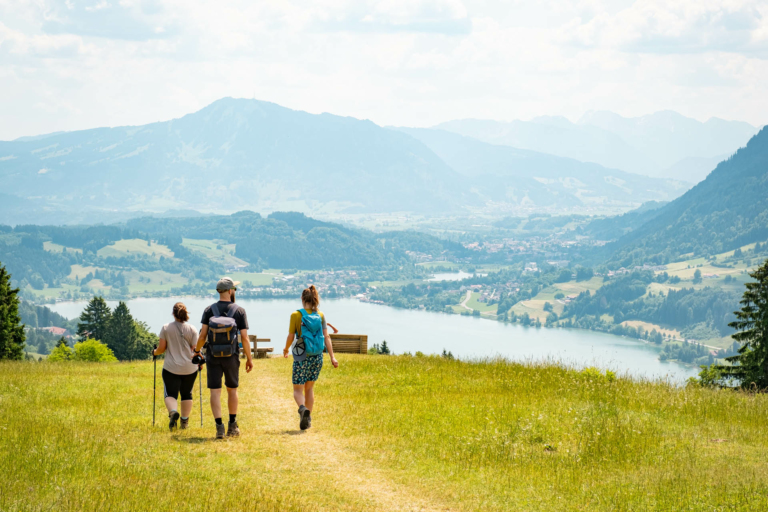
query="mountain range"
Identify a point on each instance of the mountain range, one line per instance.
(663, 144)
(503, 174)
(246, 154)
(230, 155)
(727, 210)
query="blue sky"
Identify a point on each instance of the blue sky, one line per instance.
(71, 64)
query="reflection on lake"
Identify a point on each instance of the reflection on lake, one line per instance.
(428, 332)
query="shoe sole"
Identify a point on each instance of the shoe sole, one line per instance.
(304, 424)
(173, 423)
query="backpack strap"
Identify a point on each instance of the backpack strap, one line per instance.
(230, 309)
(215, 309)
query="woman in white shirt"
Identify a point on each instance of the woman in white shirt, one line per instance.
(178, 339)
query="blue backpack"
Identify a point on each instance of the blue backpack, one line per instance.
(311, 339)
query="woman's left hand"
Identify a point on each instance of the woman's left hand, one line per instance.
(334, 362)
(285, 352)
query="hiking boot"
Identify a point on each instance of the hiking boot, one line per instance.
(173, 417)
(309, 418)
(219, 431)
(184, 423)
(232, 429)
(304, 417)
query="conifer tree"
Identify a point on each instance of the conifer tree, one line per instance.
(750, 365)
(11, 329)
(94, 320)
(121, 333)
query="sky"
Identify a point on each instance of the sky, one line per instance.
(71, 64)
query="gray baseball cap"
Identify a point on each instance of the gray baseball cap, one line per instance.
(225, 284)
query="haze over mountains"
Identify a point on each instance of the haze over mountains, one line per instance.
(663, 144)
(240, 154)
(505, 174)
(727, 210)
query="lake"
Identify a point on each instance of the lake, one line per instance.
(428, 332)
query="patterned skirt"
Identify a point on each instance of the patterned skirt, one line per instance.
(308, 369)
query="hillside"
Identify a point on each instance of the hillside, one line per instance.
(663, 144)
(727, 210)
(233, 154)
(153, 255)
(505, 174)
(389, 433)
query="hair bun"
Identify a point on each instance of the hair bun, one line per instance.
(311, 296)
(180, 312)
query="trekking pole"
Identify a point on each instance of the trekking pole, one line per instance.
(154, 390)
(154, 384)
(200, 375)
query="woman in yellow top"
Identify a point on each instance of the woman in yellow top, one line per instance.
(306, 368)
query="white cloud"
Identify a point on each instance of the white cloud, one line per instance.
(77, 64)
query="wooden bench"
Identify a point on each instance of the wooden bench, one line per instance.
(350, 343)
(259, 353)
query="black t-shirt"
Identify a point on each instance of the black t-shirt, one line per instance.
(241, 319)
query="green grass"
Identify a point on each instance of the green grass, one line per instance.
(216, 250)
(500, 436)
(52, 247)
(255, 278)
(133, 247)
(474, 303)
(154, 281)
(388, 431)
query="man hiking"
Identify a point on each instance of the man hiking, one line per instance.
(224, 325)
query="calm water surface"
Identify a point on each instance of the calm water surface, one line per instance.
(412, 330)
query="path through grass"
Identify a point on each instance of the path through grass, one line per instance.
(389, 433)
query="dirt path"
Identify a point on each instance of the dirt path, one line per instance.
(466, 299)
(328, 459)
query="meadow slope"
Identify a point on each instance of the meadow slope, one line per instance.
(389, 433)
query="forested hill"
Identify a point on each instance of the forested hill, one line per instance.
(293, 240)
(47, 257)
(727, 210)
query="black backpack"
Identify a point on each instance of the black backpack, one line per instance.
(223, 332)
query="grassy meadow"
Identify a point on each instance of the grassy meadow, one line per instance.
(389, 433)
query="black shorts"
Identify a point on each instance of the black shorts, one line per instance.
(229, 367)
(174, 384)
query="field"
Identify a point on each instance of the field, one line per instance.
(215, 250)
(389, 433)
(52, 247)
(255, 278)
(483, 307)
(134, 247)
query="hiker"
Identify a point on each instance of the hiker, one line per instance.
(224, 324)
(178, 339)
(310, 332)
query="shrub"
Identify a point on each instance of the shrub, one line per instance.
(593, 373)
(93, 351)
(62, 352)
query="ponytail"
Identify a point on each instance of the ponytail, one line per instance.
(180, 312)
(311, 297)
